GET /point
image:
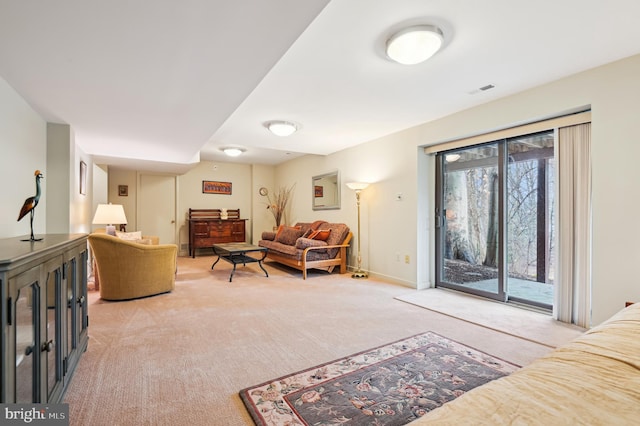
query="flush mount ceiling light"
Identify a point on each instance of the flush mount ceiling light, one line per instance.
(414, 44)
(232, 152)
(281, 128)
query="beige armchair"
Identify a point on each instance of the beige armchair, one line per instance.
(129, 270)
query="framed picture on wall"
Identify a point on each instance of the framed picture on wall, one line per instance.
(123, 190)
(214, 187)
(83, 178)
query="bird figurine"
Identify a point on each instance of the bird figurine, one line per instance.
(30, 204)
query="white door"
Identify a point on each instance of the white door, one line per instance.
(157, 207)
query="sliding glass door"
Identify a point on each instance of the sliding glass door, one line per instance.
(469, 229)
(495, 209)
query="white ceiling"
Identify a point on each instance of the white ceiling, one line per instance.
(158, 85)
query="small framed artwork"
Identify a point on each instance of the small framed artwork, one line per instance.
(214, 187)
(318, 191)
(83, 178)
(123, 190)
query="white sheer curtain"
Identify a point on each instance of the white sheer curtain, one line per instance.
(573, 281)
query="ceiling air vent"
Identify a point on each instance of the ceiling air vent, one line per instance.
(482, 89)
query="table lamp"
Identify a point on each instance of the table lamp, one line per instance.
(109, 214)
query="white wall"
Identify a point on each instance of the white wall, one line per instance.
(392, 227)
(23, 149)
(68, 211)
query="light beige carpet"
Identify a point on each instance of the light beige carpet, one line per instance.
(181, 358)
(516, 321)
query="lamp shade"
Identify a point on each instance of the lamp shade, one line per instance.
(108, 214)
(357, 186)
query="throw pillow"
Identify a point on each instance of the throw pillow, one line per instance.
(320, 234)
(315, 225)
(288, 235)
(278, 231)
(268, 235)
(281, 227)
(129, 236)
(303, 243)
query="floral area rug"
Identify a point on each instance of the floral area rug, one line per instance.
(389, 385)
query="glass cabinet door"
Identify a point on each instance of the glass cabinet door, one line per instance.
(51, 345)
(26, 348)
(80, 285)
(74, 309)
(70, 296)
(44, 318)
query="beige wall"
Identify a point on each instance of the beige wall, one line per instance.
(262, 176)
(396, 164)
(99, 190)
(80, 205)
(388, 226)
(190, 193)
(117, 177)
(245, 179)
(612, 91)
(58, 177)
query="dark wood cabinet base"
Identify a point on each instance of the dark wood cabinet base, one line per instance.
(210, 226)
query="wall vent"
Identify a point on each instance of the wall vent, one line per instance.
(482, 89)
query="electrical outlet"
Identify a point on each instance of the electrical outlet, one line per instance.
(397, 257)
(407, 259)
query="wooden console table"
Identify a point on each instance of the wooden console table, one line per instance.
(207, 227)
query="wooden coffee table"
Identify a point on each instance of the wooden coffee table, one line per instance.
(236, 253)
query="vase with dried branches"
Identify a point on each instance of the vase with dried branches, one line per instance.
(277, 203)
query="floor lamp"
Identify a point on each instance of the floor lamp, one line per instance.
(358, 187)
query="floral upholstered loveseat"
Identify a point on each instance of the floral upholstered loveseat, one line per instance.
(320, 245)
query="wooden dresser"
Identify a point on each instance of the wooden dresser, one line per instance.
(207, 227)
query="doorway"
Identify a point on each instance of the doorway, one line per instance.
(495, 208)
(157, 207)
